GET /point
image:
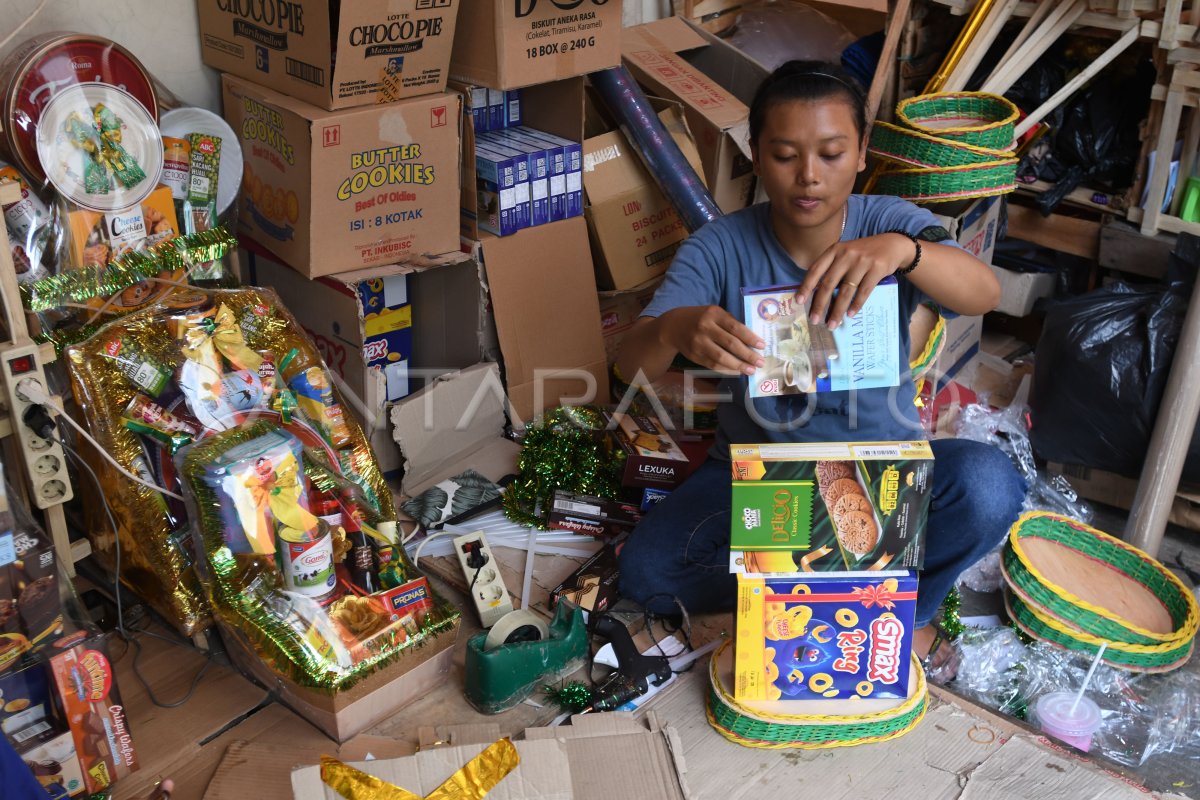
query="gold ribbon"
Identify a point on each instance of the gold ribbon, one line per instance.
(280, 492)
(224, 333)
(807, 562)
(478, 777)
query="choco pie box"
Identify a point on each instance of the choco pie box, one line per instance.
(829, 507)
(824, 636)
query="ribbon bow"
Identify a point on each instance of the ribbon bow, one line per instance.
(472, 782)
(224, 333)
(279, 492)
(880, 594)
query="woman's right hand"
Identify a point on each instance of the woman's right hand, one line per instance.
(713, 338)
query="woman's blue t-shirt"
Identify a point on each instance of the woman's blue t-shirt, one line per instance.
(741, 251)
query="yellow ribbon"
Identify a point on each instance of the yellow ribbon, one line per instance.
(480, 775)
(223, 332)
(280, 492)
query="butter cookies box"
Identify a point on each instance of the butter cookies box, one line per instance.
(824, 637)
(829, 507)
(331, 192)
(333, 55)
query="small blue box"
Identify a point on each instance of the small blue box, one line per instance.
(513, 108)
(498, 201)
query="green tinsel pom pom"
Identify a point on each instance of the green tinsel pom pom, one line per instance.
(566, 450)
(951, 607)
(573, 697)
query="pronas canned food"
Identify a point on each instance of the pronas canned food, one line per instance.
(47, 64)
(306, 561)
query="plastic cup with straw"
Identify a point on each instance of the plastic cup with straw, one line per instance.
(1071, 718)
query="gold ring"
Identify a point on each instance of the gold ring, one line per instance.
(850, 283)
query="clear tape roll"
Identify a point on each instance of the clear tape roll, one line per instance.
(518, 625)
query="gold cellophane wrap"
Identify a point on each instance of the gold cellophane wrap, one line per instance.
(472, 782)
(294, 637)
(152, 563)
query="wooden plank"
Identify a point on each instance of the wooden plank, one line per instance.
(1041, 40)
(887, 59)
(1170, 24)
(1073, 85)
(1124, 248)
(1152, 208)
(1187, 163)
(1079, 237)
(1044, 7)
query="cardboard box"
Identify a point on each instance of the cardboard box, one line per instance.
(635, 230)
(508, 44)
(31, 608)
(619, 310)
(591, 516)
(454, 423)
(554, 108)
(593, 586)
(829, 507)
(547, 317)
(28, 709)
(1020, 291)
(385, 50)
(91, 704)
(1118, 491)
(652, 458)
(976, 227)
(331, 192)
(715, 83)
(54, 763)
(962, 343)
(371, 700)
(568, 761)
(855, 631)
(384, 331)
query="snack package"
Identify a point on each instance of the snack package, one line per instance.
(829, 507)
(178, 371)
(824, 636)
(30, 225)
(282, 577)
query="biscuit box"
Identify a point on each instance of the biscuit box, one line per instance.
(800, 357)
(826, 637)
(31, 610)
(829, 507)
(652, 458)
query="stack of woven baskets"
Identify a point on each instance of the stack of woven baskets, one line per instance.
(949, 146)
(1078, 588)
(779, 724)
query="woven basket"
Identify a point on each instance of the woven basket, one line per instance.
(974, 118)
(924, 185)
(748, 724)
(1056, 602)
(1133, 657)
(921, 149)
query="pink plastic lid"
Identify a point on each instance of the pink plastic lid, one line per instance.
(1054, 712)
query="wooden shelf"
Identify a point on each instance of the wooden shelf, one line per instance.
(1080, 237)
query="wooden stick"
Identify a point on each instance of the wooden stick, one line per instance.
(1055, 25)
(1187, 160)
(980, 45)
(1061, 96)
(1043, 8)
(1165, 149)
(1125, 9)
(887, 59)
(1170, 24)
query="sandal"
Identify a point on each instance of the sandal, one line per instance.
(942, 661)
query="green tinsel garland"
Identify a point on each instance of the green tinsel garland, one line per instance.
(573, 697)
(566, 450)
(951, 607)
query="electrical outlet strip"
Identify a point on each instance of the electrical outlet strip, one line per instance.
(45, 461)
(489, 594)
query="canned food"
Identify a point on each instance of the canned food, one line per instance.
(45, 65)
(177, 155)
(306, 561)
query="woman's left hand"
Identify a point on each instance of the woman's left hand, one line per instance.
(853, 268)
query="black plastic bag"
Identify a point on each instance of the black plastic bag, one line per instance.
(1102, 365)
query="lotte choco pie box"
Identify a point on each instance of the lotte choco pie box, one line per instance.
(829, 507)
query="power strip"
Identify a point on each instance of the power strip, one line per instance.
(45, 461)
(488, 593)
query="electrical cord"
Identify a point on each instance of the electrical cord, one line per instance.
(131, 639)
(36, 394)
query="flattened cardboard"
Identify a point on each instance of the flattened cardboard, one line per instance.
(454, 423)
(508, 44)
(635, 229)
(331, 192)
(714, 82)
(619, 310)
(547, 317)
(385, 49)
(264, 771)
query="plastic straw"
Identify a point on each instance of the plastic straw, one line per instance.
(1088, 678)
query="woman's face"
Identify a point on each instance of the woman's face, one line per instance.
(807, 156)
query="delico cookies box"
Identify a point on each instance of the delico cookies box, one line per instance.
(829, 507)
(820, 637)
(92, 707)
(333, 192)
(333, 55)
(652, 458)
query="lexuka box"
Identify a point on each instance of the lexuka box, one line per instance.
(507, 44)
(331, 192)
(333, 55)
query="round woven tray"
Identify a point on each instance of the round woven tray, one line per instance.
(1111, 562)
(763, 725)
(974, 118)
(1133, 657)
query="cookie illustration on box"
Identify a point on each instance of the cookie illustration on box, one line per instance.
(829, 507)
